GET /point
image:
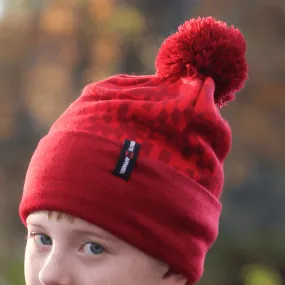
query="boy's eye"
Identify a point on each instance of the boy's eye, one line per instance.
(93, 248)
(42, 239)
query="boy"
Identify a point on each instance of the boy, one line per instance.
(125, 187)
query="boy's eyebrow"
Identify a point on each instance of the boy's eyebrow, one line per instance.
(36, 225)
(81, 232)
(93, 233)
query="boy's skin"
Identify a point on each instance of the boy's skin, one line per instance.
(62, 250)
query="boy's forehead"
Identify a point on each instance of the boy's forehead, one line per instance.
(67, 221)
(49, 217)
(55, 216)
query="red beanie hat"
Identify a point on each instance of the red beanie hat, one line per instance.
(142, 156)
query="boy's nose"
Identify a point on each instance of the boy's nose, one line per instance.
(55, 271)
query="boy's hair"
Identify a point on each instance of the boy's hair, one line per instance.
(59, 216)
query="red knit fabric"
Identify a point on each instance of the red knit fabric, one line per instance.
(204, 47)
(170, 206)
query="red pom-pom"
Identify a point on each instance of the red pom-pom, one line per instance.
(204, 47)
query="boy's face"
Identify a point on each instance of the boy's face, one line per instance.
(64, 252)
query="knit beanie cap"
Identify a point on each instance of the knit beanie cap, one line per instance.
(142, 156)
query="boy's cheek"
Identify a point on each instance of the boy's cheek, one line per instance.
(33, 264)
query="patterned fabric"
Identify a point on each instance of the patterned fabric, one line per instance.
(174, 123)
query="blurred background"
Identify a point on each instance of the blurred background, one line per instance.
(49, 50)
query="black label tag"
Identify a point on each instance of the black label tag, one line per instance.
(127, 160)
